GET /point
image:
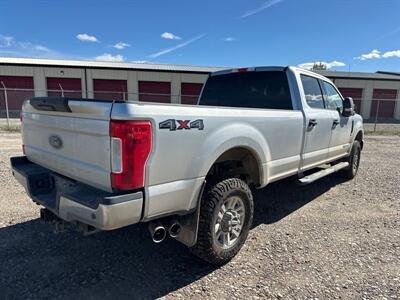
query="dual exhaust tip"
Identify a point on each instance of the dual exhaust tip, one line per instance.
(159, 232)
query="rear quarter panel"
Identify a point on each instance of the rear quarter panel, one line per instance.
(181, 159)
(272, 135)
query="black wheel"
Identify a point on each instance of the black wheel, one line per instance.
(226, 214)
(354, 162)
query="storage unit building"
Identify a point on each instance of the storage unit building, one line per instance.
(177, 84)
(19, 89)
(154, 91)
(367, 89)
(67, 87)
(190, 92)
(383, 103)
(355, 93)
(110, 89)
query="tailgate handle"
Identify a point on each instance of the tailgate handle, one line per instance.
(50, 103)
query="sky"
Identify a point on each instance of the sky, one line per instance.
(347, 35)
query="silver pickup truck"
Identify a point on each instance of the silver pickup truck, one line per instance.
(187, 170)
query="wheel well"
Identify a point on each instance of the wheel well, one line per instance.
(236, 162)
(360, 138)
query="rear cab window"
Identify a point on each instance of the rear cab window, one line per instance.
(254, 89)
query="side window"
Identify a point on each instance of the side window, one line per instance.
(312, 91)
(332, 98)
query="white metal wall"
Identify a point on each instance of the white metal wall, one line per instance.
(368, 87)
(133, 77)
(39, 75)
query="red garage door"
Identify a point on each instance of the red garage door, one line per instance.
(72, 87)
(110, 89)
(383, 103)
(18, 90)
(154, 91)
(354, 93)
(190, 92)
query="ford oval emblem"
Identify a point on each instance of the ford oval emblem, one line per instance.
(55, 141)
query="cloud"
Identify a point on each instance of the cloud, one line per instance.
(181, 45)
(30, 46)
(371, 55)
(390, 33)
(335, 63)
(170, 36)
(141, 62)
(389, 54)
(9, 46)
(229, 39)
(266, 5)
(6, 41)
(41, 48)
(12, 43)
(329, 65)
(376, 54)
(110, 57)
(84, 37)
(121, 45)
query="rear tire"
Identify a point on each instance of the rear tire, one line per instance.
(226, 214)
(354, 162)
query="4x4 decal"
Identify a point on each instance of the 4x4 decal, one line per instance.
(173, 124)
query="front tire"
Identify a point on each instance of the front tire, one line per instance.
(354, 162)
(226, 214)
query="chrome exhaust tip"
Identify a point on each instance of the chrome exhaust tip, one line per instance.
(174, 229)
(158, 232)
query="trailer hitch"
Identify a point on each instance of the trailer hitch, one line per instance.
(49, 217)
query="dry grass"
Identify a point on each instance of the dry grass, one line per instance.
(382, 132)
(11, 128)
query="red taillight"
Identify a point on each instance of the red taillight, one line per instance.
(242, 70)
(131, 143)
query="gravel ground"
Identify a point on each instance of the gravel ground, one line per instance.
(331, 239)
(13, 121)
(385, 127)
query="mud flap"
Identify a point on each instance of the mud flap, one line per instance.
(190, 223)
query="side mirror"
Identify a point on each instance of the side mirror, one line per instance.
(348, 107)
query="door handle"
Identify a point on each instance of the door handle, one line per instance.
(312, 123)
(335, 123)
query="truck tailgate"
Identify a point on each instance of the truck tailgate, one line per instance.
(72, 141)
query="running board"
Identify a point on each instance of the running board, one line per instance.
(318, 175)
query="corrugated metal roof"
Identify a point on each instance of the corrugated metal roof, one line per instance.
(358, 75)
(380, 75)
(108, 65)
(389, 72)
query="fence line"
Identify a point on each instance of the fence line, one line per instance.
(14, 97)
(6, 102)
(65, 91)
(11, 99)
